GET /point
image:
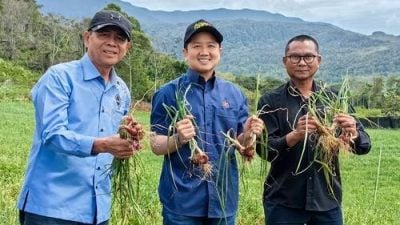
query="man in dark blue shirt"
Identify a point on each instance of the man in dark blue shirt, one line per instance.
(292, 194)
(215, 106)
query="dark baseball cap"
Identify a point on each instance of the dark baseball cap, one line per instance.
(202, 26)
(110, 18)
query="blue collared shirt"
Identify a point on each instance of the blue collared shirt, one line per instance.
(73, 105)
(217, 106)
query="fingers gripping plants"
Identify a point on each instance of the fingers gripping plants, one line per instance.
(182, 111)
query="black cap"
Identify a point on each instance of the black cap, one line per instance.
(202, 26)
(110, 18)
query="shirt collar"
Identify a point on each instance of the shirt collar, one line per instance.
(315, 87)
(292, 90)
(90, 71)
(194, 77)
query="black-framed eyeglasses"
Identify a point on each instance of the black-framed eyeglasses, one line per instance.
(295, 59)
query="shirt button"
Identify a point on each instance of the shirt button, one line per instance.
(310, 178)
(98, 168)
(101, 130)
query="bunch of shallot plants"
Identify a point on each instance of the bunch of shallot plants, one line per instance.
(198, 157)
(248, 151)
(323, 105)
(127, 175)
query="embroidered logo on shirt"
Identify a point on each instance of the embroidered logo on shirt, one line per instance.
(118, 101)
(225, 104)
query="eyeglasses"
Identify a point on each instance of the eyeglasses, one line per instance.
(295, 59)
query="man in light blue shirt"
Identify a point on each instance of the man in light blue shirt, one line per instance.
(78, 109)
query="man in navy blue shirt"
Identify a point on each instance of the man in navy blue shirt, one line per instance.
(78, 109)
(215, 107)
(302, 198)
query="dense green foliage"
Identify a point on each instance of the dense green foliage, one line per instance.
(15, 81)
(36, 42)
(252, 47)
(382, 94)
(367, 199)
(32, 41)
(254, 40)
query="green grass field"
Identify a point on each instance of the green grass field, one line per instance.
(363, 203)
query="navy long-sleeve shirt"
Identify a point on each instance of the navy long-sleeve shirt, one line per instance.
(217, 106)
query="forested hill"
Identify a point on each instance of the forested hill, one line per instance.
(254, 40)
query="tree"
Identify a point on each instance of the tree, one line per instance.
(377, 93)
(143, 68)
(37, 42)
(391, 106)
(135, 23)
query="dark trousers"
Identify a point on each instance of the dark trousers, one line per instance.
(277, 214)
(174, 219)
(26, 218)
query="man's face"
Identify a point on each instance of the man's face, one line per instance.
(302, 60)
(107, 46)
(203, 54)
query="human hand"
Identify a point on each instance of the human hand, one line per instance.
(115, 145)
(306, 125)
(130, 126)
(185, 130)
(253, 127)
(348, 125)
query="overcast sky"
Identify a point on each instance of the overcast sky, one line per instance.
(363, 16)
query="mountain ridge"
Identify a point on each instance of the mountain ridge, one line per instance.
(254, 40)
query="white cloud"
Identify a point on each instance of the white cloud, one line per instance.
(364, 16)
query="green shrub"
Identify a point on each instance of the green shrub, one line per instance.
(15, 81)
(363, 112)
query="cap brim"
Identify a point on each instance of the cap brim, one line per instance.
(100, 26)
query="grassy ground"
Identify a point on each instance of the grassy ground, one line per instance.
(363, 202)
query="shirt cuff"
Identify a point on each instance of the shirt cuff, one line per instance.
(86, 146)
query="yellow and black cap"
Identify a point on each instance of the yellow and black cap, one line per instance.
(201, 26)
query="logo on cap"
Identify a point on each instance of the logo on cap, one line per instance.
(115, 17)
(110, 18)
(201, 24)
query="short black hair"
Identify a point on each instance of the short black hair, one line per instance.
(302, 37)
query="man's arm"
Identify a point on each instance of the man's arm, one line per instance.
(163, 144)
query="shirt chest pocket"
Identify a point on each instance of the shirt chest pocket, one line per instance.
(226, 119)
(117, 117)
